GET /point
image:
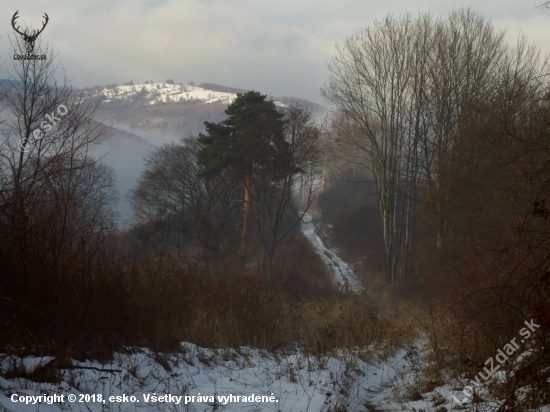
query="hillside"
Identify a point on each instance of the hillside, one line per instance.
(142, 117)
(165, 112)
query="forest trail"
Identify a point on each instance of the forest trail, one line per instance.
(344, 274)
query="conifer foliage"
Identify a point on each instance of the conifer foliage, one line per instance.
(251, 137)
(250, 143)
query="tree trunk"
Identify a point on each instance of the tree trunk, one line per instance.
(246, 214)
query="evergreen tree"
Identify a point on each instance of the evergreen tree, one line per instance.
(250, 141)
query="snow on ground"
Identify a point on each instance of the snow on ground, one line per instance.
(197, 379)
(295, 381)
(165, 93)
(344, 274)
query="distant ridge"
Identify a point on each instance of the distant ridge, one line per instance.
(8, 84)
(315, 108)
(223, 89)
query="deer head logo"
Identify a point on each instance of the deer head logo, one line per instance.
(29, 38)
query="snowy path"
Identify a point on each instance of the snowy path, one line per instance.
(343, 273)
(210, 379)
(197, 379)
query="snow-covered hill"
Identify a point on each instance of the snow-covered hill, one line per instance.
(154, 93)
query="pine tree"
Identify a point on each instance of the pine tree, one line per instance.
(250, 141)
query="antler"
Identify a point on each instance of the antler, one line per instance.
(15, 16)
(35, 33)
(43, 26)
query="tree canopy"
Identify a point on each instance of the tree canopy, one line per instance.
(251, 137)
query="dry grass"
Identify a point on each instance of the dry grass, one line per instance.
(159, 302)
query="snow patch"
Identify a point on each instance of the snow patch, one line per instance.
(299, 381)
(344, 274)
(165, 93)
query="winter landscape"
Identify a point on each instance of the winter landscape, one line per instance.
(347, 212)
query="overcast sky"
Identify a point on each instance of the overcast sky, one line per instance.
(278, 47)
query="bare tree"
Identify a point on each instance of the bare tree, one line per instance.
(407, 91)
(370, 84)
(461, 78)
(174, 208)
(46, 170)
(276, 189)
